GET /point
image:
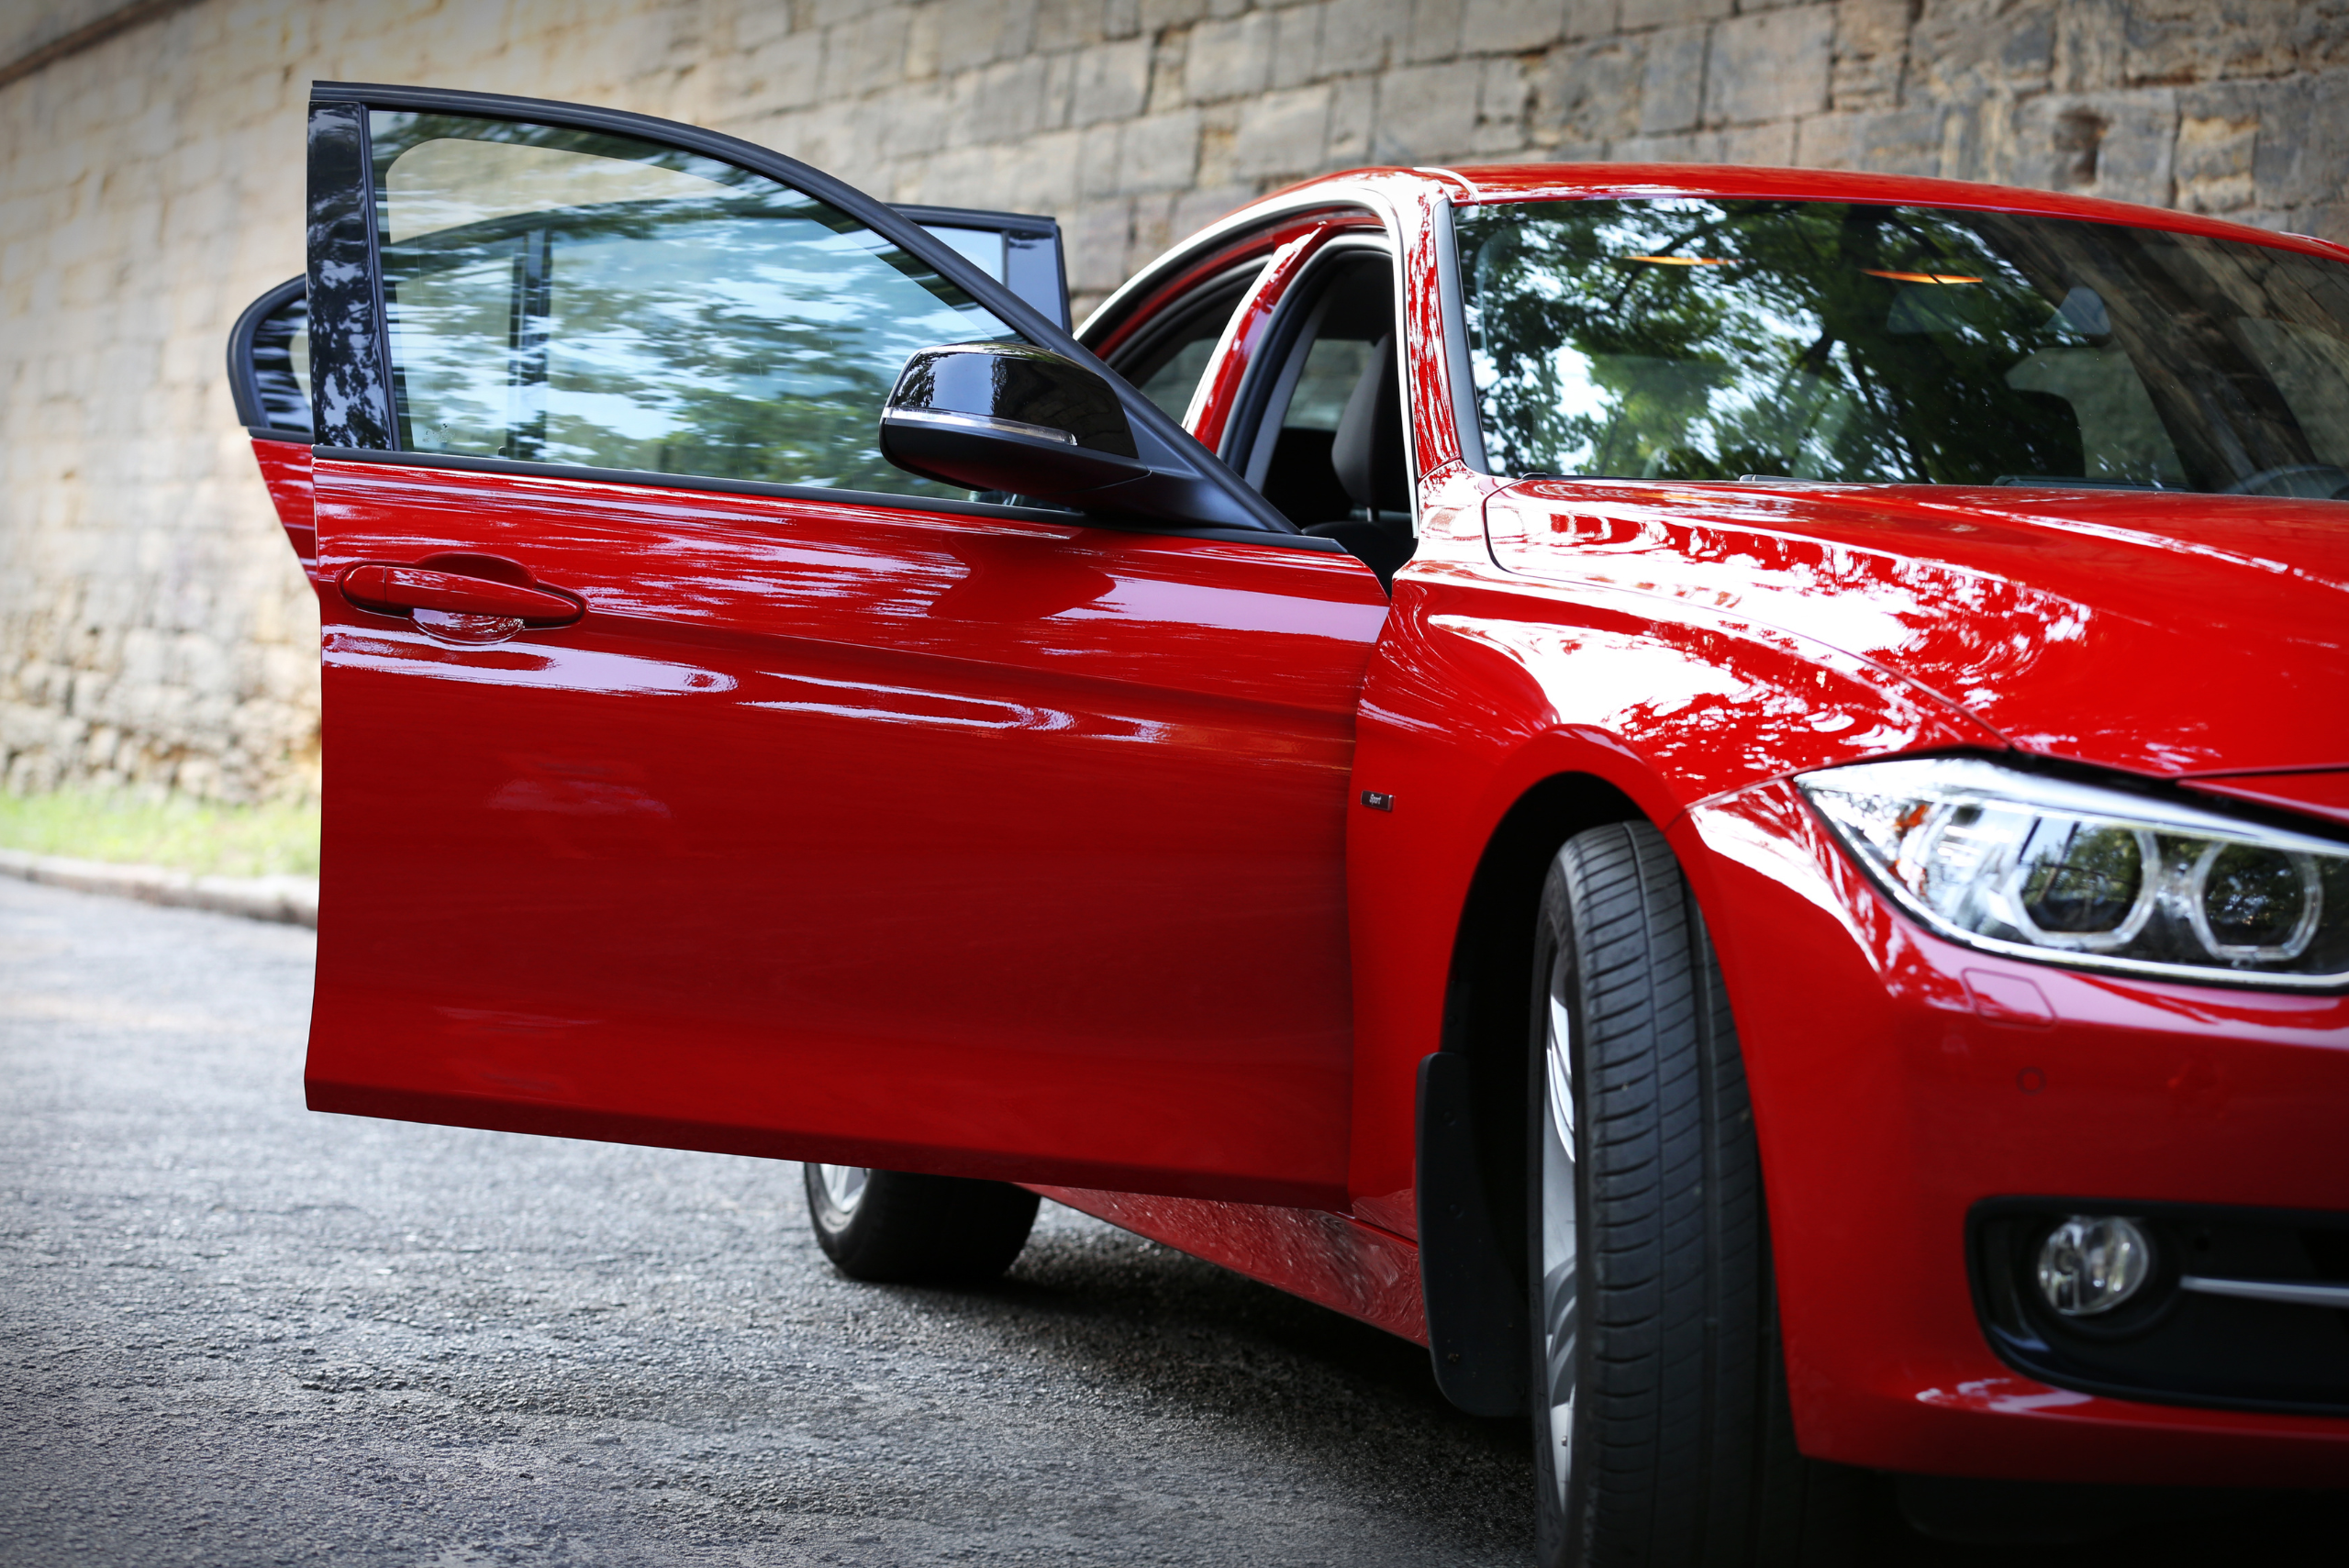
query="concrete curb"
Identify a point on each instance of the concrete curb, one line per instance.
(291, 899)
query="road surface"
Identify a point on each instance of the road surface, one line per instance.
(234, 1332)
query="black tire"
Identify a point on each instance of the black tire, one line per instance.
(903, 1229)
(1659, 1412)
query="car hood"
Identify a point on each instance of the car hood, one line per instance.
(2168, 634)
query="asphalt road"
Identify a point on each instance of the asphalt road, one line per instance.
(233, 1332)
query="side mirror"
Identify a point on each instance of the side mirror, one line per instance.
(1012, 417)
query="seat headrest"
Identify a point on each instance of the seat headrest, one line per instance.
(1367, 450)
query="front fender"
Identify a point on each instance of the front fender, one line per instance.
(1483, 686)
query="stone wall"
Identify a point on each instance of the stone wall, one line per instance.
(152, 627)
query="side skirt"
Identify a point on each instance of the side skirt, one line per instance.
(1329, 1259)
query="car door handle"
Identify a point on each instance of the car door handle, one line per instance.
(382, 587)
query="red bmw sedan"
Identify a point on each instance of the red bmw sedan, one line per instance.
(1722, 793)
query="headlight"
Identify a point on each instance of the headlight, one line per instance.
(2072, 873)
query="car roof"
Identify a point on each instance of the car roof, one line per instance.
(1482, 184)
(1494, 184)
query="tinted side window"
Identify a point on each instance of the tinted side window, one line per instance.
(565, 296)
(1165, 364)
(1345, 339)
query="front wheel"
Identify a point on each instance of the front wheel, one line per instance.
(1659, 1407)
(901, 1227)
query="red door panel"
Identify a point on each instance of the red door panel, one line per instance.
(888, 837)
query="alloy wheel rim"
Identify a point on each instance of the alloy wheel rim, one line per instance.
(843, 1188)
(1559, 1287)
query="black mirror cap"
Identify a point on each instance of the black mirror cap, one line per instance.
(1019, 384)
(1009, 416)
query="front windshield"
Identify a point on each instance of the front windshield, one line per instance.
(1836, 340)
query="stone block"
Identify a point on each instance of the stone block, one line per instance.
(1772, 144)
(1167, 92)
(1362, 35)
(1297, 45)
(1037, 174)
(1157, 15)
(863, 55)
(2117, 145)
(1426, 113)
(2090, 38)
(787, 74)
(2218, 140)
(1229, 60)
(1680, 147)
(1067, 24)
(1591, 19)
(1112, 83)
(1773, 66)
(1195, 209)
(1588, 93)
(1637, 15)
(1435, 30)
(2176, 41)
(1218, 136)
(832, 13)
(1352, 106)
(1002, 102)
(1153, 231)
(1509, 27)
(1282, 133)
(1159, 152)
(1098, 173)
(1671, 80)
(1870, 51)
(914, 123)
(1890, 141)
(1096, 234)
(1504, 93)
(2303, 140)
(1969, 49)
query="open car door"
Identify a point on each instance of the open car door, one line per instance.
(696, 777)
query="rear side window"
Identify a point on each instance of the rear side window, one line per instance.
(1166, 365)
(562, 297)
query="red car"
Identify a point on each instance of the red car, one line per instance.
(1721, 793)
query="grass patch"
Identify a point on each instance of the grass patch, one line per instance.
(201, 836)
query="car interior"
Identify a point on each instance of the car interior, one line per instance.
(1325, 444)
(1320, 432)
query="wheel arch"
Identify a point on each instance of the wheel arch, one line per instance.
(1470, 1109)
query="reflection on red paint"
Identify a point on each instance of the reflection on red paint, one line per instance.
(800, 757)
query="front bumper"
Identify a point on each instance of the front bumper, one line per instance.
(1900, 1082)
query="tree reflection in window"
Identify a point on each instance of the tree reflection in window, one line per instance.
(572, 297)
(1711, 340)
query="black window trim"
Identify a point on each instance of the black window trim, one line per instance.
(243, 388)
(333, 223)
